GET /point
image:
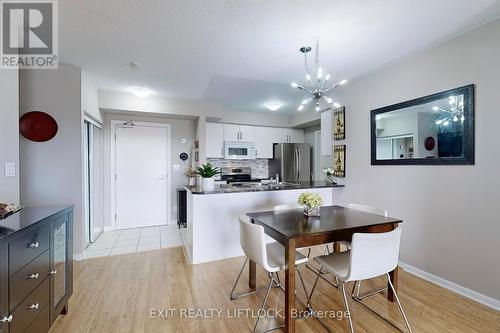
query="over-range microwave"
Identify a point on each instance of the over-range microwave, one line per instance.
(234, 150)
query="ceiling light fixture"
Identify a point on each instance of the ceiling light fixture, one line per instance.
(273, 106)
(317, 84)
(455, 111)
(141, 92)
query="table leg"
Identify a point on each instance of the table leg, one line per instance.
(394, 279)
(289, 286)
(336, 247)
(252, 275)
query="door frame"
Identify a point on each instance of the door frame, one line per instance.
(114, 123)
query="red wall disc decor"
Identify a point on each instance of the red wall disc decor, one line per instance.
(38, 126)
(429, 143)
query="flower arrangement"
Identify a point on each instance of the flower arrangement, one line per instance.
(311, 203)
(329, 175)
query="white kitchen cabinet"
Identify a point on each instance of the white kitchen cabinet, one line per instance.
(239, 133)
(326, 133)
(264, 139)
(247, 133)
(215, 140)
(297, 135)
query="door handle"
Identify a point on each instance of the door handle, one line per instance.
(163, 178)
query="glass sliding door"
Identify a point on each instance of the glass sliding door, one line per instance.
(94, 222)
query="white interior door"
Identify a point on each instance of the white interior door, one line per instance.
(96, 197)
(142, 155)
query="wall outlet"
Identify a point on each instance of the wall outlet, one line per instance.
(10, 170)
(177, 167)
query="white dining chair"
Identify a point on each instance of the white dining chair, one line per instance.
(357, 285)
(371, 255)
(270, 257)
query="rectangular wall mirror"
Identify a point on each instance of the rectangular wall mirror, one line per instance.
(435, 129)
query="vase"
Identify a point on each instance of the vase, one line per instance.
(312, 211)
(207, 184)
(330, 179)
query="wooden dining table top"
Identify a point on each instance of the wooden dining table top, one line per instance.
(292, 223)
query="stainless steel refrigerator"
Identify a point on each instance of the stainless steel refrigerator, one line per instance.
(292, 161)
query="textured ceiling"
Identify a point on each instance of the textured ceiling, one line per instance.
(242, 53)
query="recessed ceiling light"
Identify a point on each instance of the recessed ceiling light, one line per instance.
(141, 91)
(273, 106)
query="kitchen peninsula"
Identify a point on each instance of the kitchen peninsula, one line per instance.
(212, 217)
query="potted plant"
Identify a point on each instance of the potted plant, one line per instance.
(207, 172)
(311, 203)
(329, 175)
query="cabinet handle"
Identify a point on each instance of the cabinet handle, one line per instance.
(33, 276)
(7, 319)
(34, 245)
(34, 306)
(53, 272)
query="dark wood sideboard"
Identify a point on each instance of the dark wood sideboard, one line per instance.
(36, 268)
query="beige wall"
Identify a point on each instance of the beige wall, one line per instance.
(9, 134)
(51, 172)
(451, 224)
(180, 128)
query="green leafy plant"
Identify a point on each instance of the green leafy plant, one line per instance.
(207, 170)
(311, 200)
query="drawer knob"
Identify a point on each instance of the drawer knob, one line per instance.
(34, 245)
(53, 272)
(34, 306)
(7, 319)
(34, 276)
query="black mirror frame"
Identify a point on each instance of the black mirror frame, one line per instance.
(468, 145)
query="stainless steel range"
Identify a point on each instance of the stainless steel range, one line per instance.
(236, 175)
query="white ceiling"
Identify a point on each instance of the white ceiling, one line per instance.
(245, 53)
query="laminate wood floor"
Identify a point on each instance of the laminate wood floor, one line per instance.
(126, 294)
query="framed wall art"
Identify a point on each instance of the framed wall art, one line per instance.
(339, 124)
(339, 160)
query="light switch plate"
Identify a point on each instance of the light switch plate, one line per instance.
(10, 170)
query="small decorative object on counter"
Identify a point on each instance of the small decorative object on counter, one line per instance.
(6, 210)
(207, 172)
(329, 176)
(311, 203)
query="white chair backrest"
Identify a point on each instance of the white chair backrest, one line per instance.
(285, 207)
(374, 254)
(368, 209)
(253, 242)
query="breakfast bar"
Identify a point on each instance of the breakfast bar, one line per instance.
(212, 231)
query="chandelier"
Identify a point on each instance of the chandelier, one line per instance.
(317, 85)
(454, 113)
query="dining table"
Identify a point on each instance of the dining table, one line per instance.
(293, 230)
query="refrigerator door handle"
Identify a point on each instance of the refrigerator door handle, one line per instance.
(297, 163)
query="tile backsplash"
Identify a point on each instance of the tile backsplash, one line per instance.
(260, 167)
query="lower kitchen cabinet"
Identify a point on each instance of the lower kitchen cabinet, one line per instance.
(36, 268)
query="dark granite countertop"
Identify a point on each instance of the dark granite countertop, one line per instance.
(264, 188)
(27, 217)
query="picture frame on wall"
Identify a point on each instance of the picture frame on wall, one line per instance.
(339, 124)
(339, 152)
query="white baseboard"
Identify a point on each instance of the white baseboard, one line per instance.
(109, 228)
(78, 257)
(466, 292)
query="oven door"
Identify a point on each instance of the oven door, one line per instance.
(239, 151)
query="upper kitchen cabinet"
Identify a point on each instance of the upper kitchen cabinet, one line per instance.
(215, 140)
(264, 139)
(297, 135)
(239, 133)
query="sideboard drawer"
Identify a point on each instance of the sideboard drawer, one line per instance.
(28, 278)
(29, 309)
(41, 324)
(26, 247)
